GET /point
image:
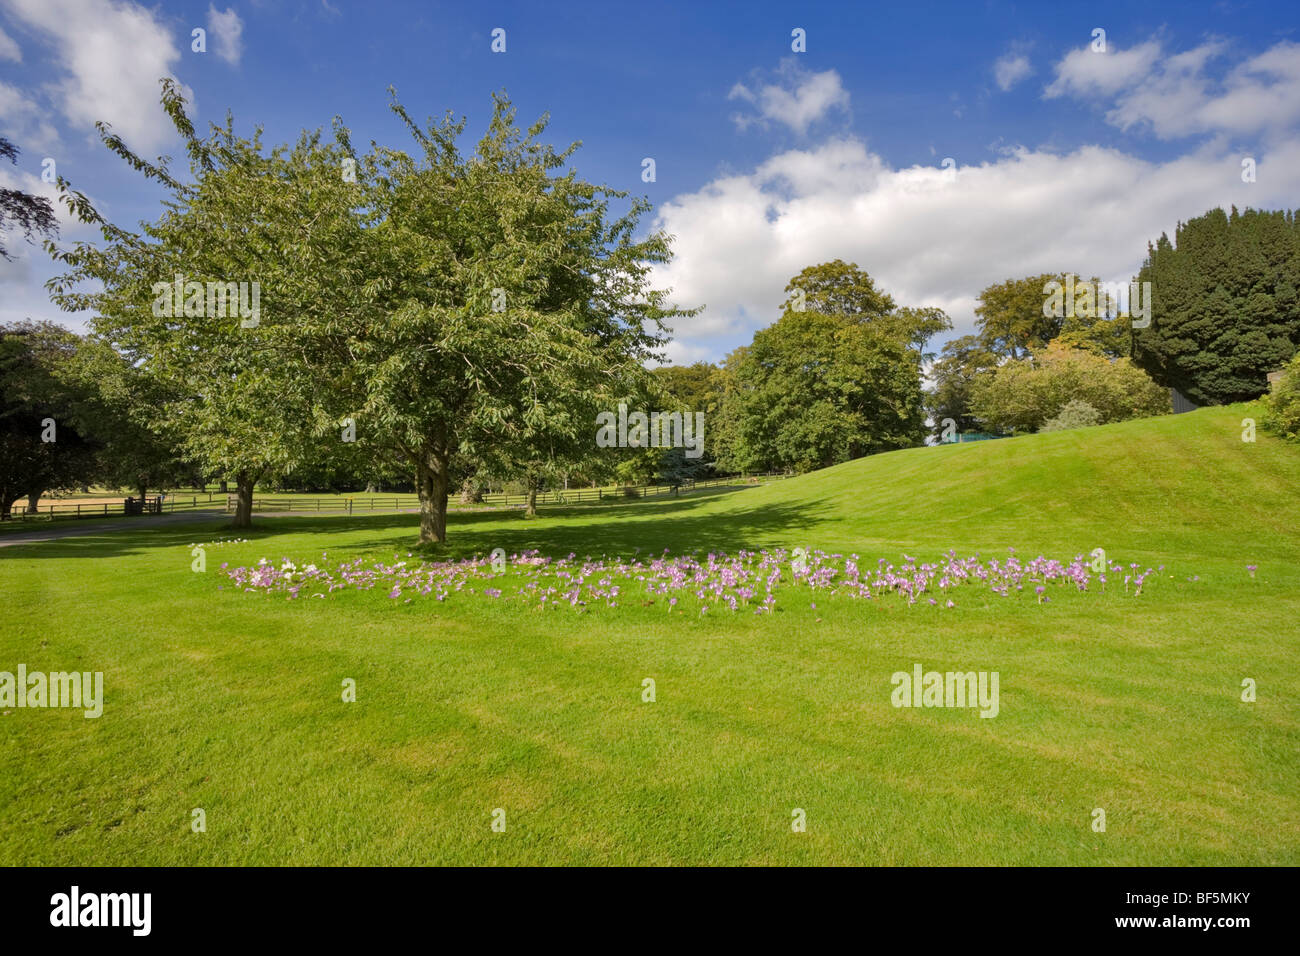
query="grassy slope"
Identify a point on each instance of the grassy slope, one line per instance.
(230, 702)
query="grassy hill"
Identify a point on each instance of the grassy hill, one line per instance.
(230, 701)
(1178, 484)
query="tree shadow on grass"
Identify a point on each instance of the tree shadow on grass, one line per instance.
(136, 538)
(622, 531)
(641, 528)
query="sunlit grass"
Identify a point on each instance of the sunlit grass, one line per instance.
(232, 702)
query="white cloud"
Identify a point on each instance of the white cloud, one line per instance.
(26, 123)
(1085, 72)
(1010, 69)
(1260, 94)
(1175, 94)
(22, 294)
(229, 30)
(9, 49)
(929, 238)
(113, 52)
(796, 97)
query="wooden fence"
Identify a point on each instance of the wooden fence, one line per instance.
(126, 506)
(360, 504)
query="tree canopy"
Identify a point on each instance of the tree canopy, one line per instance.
(42, 446)
(836, 377)
(33, 215)
(1226, 304)
(1020, 396)
(453, 307)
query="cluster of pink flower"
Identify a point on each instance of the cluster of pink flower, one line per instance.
(746, 579)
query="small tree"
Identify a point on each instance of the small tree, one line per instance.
(961, 362)
(124, 413)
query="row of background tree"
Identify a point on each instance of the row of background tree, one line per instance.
(842, 378)
(380, 309)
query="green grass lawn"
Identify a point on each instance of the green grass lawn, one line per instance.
(231, 701)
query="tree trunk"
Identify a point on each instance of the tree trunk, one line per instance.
(431, 484)
(244, 504)
(32, 499)
(225, 487)
(531, 510)
(142, 488)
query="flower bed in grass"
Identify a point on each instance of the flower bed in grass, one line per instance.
(748, 580)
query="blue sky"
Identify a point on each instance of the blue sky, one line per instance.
(766, 159)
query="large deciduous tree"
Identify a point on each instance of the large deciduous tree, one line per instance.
(1010, 316)
(449, 305)
(835, 378)
(507, 302)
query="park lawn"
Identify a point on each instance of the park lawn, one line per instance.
(231, 701)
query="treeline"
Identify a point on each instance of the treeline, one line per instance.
(1211, 313)
(1220, 312)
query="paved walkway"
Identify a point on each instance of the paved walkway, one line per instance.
(71, 527)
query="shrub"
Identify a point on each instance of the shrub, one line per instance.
(1282, 404)
(1076, 413)
(1021, 395)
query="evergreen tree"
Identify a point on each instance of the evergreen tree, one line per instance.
(1225, 307)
